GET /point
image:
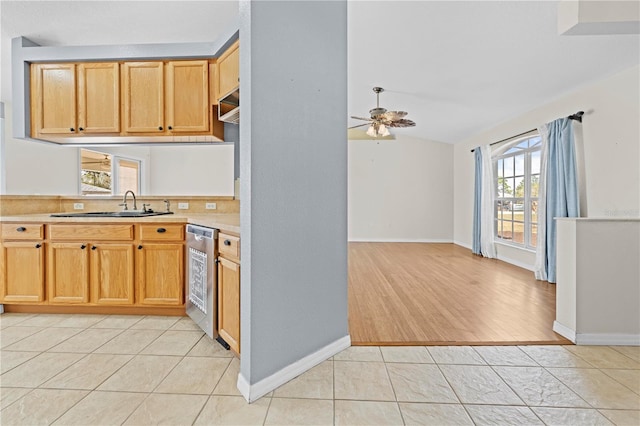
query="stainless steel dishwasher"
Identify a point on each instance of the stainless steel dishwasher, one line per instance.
(201, 291)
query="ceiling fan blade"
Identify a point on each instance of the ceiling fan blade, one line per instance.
(359, 125)
(394, 115)
(402, 123)
(361, 118)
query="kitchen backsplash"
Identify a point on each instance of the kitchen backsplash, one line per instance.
(29, 204)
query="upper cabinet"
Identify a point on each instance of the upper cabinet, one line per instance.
(69, 99)
(187, 96)
(229, 70)
(150, 98)
(143, 97)
(53, 99)
(99, 97)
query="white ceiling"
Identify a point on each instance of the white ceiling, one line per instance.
(457, 67)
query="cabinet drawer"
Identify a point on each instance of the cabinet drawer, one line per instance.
(91, 232)
(229, 246)
(22, 231)
(161, 232)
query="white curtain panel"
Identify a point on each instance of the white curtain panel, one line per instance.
(540, 267)
(487, 229)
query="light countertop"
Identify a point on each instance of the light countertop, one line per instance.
(224, 222)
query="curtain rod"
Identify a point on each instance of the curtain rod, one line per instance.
(577, 116)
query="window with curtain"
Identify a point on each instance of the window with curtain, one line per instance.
(516, 179)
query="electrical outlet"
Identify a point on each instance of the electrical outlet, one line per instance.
(183, 206)
(210, 206)
(78, 206)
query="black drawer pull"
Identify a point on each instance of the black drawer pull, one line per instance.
(159, 127)
(83, 247)
(93, 247)
(227, 242)
(38, 245)
(140, 247)
(21, 229)
(161, 230)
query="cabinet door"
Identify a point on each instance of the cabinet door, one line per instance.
(229, 70)
(68, 273)
(143, 97)
(160, 274)
(187, 96)
(53, 98)
(22, 272)
(112, 274)
(99, 97)
(229, 302)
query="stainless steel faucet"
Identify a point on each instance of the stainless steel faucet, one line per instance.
(124, 200)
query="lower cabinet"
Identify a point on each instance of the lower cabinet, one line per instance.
(112, 274)
(229, 290)
(160, 274)
(100, 273)
(229, 302)
(22, 272)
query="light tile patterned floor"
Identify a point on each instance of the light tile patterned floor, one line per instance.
(135, 370)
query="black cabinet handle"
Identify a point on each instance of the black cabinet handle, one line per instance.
(139, 247)
(83, 247)
(21, 229)
(159, 127)
(38, 245)
(227, 242)
(170, 128)
(81, 128)
(72, 129)
(93, 247)
(161, 230)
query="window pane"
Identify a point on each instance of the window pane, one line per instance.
(524, 144)
(535, 162)
(95, 173)
(499, 168)
(508, 187)
(518, 232)
(519, 165)
(128, 176)
(534, 235)
(534, 211)
(519, 187)
(535, 180)
(535, 141)
(508, 167)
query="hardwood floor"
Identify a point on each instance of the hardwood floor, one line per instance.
(441, 294)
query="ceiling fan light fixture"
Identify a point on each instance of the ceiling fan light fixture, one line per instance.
(383, 131)
(371, 131)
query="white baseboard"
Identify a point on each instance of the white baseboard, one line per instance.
(461, 244)
(608, 339)
(398, 240)
(517, 263)
(257, 390)
(564, 331)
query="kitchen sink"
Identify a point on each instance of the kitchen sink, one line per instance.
(126, 213)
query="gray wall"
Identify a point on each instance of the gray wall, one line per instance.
(293, 181)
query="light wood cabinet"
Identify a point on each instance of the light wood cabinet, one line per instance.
(91, 263)
(68, 273)
(229, 70)
(22, 268)
(143, 97)
(69, 99)
(229, 290)
(22, 272)
(187, 96)
(160, 264)
(99, 97)
(53, 99)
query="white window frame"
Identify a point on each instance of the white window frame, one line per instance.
(115, 160)
(527, 200)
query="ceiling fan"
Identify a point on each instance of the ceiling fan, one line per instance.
(105, 162)
(381, 118)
